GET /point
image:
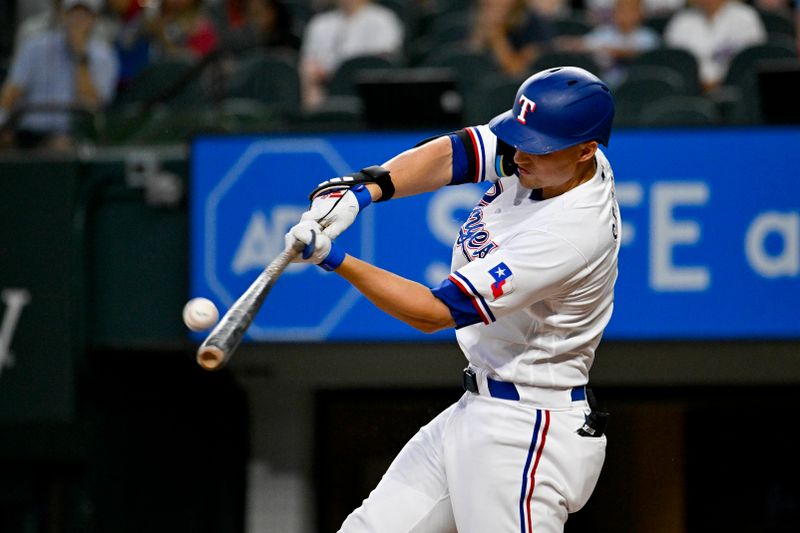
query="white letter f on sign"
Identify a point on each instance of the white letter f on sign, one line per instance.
(526, 104)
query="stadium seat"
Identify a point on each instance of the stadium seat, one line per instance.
(777, 23)
(492, 96)
(633, 95)
(659, 72)
(467, 64)
(573, 24)
(657, 22)
(344, 79)
(680, 110)
(741, 81)
(562, 59)
(271, 79)
(743, 66)
(154, 81)
(682, 61)
(301, 12)
(449, 27)
(336, 113)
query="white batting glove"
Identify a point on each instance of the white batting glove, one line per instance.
(336, 209)
(319, 250)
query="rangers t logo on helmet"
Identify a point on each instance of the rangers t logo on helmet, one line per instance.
(525, 105)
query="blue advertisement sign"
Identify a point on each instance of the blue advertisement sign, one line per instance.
(710, 238)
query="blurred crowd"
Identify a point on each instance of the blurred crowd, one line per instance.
(70, 58)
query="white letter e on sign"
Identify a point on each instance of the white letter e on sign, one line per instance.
(526, 104)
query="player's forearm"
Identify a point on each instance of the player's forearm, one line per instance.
(404, 299)
(422, 169)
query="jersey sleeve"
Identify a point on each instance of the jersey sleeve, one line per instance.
(479, 156)
(533, 266)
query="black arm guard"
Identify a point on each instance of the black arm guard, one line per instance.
(374, 174)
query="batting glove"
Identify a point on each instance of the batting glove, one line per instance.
(320, 249)
(336, 209)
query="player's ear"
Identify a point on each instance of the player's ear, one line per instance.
(588, 150)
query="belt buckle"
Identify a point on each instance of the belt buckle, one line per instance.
(470, 380)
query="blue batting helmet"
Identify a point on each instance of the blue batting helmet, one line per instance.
(555, 109)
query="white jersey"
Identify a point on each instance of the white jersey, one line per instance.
(531, 289)
(539, 273)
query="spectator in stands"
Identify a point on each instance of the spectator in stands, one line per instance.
(782, 7)
(354, 28)
(48, 18)
(132, 41)
(181, 28)
(714, 31)
(512, 33)
(551, 9)
(62, 68)
(616, 44)
(228, 14)
(267, 23)
(602, 11)
(37, 24)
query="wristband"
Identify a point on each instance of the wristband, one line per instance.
(334, 258)
(362, 195)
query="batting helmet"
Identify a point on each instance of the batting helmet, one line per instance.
(555, 109)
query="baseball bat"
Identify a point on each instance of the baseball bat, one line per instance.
(217, 349)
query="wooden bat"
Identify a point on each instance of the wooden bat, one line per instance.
(223, 340)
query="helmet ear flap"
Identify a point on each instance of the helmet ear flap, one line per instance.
(505, 159)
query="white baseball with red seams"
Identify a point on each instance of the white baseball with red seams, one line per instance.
(200, 314)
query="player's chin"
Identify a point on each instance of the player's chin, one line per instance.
(526, 178)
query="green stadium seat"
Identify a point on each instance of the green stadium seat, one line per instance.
(741, 81)
(344, 79)
(744, 65)
(777, 23)
(657, 22)
(584, 60)
(336, 113)
(493, 95)
(682, 61)
(573, 24)
(271, 79)
(680, 110)
(467, 64)
(666, 74)
(634, 94)
(154, 81)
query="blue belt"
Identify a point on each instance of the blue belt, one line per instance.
(508, 391)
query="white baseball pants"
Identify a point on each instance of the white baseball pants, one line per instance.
(487, 465)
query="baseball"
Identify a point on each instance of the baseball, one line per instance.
(200, 314)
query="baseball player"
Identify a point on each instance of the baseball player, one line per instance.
(531, 290)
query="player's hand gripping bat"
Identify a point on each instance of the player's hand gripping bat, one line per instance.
(223, 340)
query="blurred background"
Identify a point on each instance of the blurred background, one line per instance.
(152, 151)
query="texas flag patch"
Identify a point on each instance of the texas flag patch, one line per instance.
(503, 278)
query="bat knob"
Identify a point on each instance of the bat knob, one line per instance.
(210, 358)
